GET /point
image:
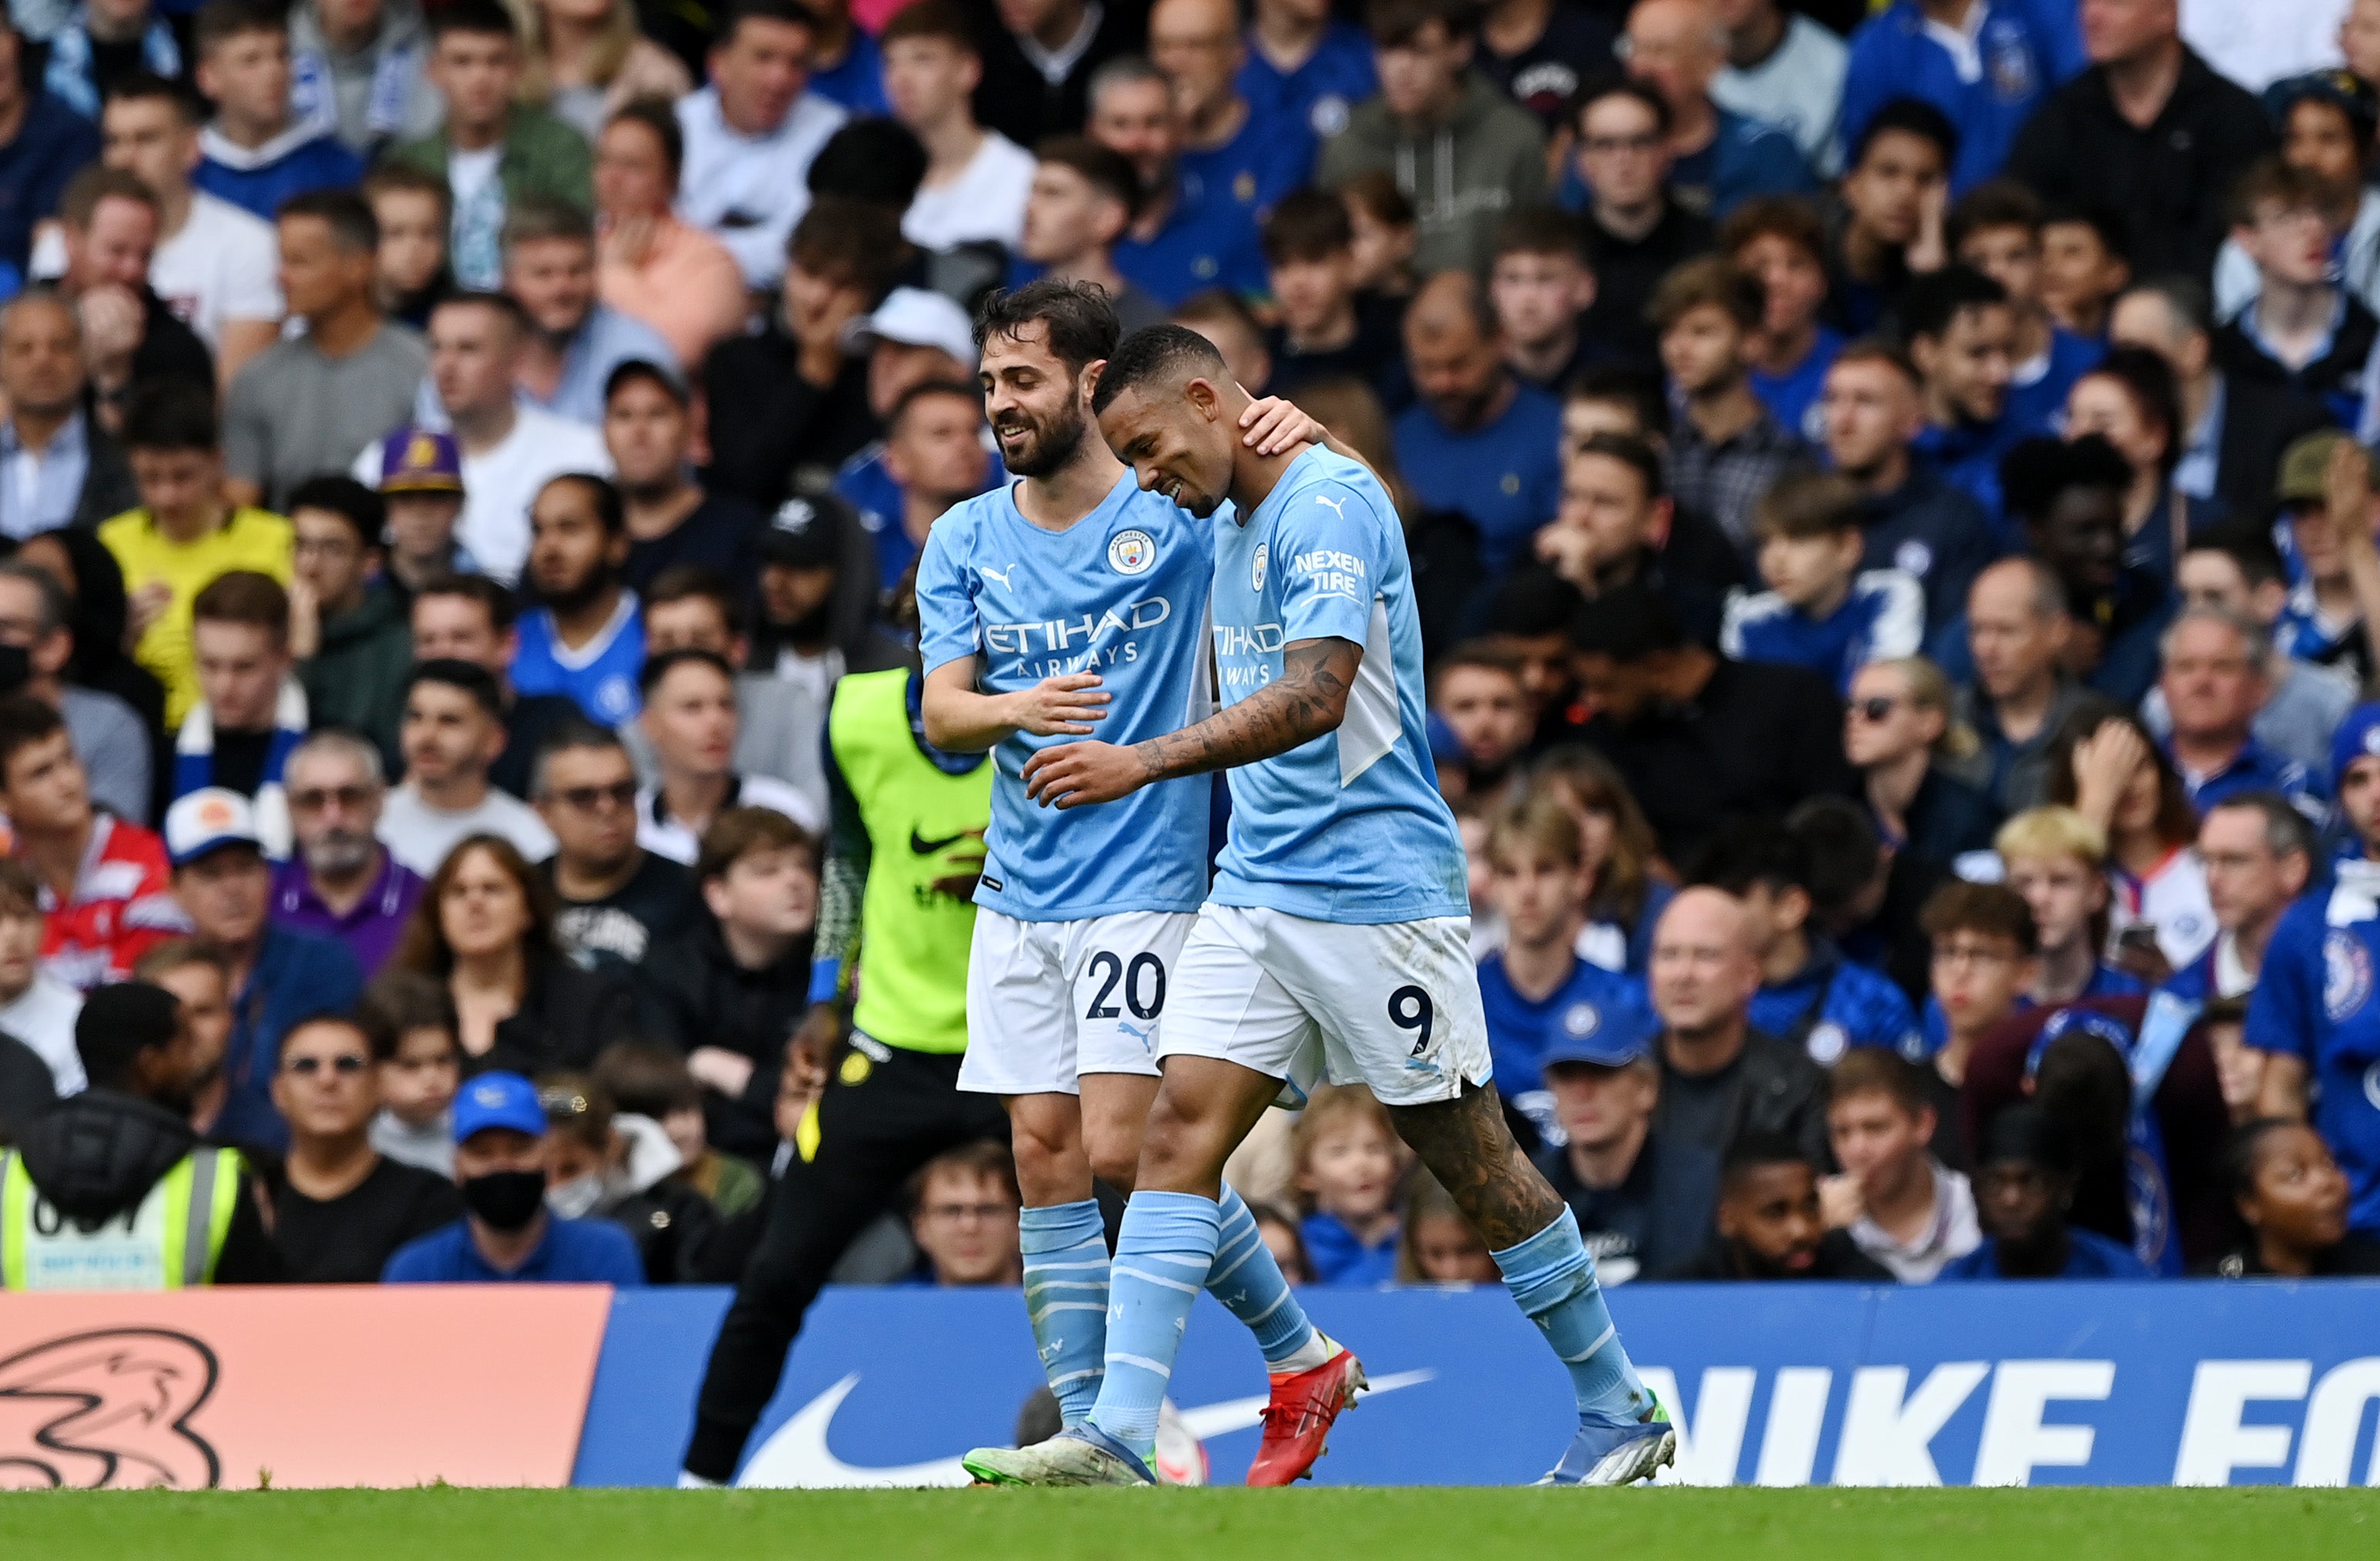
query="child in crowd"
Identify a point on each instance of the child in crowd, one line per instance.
(420, 1071)
(1349, 1162)
(2082, 268)
(1892, 191)
(1438, 1245)
(1477, 694)
(653, 1081)
(1541, 282)
(1278, 1229)
(1903, 1207)
(421, 481)
(1387, 232)
(1727, 448)
(604, 1163)
(1782, 240)
(1986, 950)
(1996, 228)
(410, 274)
(2057, 859)
(1821, 610)
(1626, 886)
(1327, 327)
(2302, 327)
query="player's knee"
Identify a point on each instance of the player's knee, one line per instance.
(1115, 1159)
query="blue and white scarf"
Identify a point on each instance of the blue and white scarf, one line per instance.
(314, 91)
(194, 763)
(69, 73)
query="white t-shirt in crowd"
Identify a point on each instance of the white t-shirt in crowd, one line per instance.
(986, 201)
(1799, 88)
(499, 485)
(224, 265)
(2258, 45)
(664, 835)
(42, 1016)
(420, 835)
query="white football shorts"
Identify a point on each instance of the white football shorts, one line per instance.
(1394, 1006)
(1050, 1001)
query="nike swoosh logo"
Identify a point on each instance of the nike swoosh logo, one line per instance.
(795, 1456)
(924, 847)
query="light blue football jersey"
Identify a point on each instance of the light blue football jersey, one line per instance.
(1121, 593)
(1350, 826)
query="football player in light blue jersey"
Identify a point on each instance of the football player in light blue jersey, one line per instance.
(1063, 603)
(1337, 923)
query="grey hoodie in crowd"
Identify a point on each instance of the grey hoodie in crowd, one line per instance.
(1463, 177)
(375, 96)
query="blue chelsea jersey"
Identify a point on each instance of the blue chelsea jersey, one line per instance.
(2313, 1001)
(1123, 593)
(1348, 827)
(601, 674)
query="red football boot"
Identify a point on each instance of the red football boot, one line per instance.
(1305, 1405)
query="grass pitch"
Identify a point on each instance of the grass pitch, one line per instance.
(1360, 1525)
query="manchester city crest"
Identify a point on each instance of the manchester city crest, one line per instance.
(1131, 552)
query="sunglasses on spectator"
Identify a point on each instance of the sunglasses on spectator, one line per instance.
(587, 799)
(315, 799)
(1878, 709)
(346, 1064)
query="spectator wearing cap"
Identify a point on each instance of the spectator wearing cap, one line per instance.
(585, 636)
(2326, 491)
(575, 340)
(2215, 676)
(672, 275)
(277, 975)
(1987, 73)
(2234, 427)
(2312, 1012)
(509, 449)
(1900, 1204)
(814, 561)
(506, 1234)
(2326, 121)
(752, 133)
(341, 882)
(1608, 1166)
(342, 1209)
(307, 405)
(690, 719)
(914, 337)
(138, 1187)
(672, 520)
(454, 729)
(346, 627)
(1770, 1221)
(2025, 1189)
(1536, 989)
(238, 736)
(2149, 131)
(1720, 1079)
(421, 484)
(789, 403)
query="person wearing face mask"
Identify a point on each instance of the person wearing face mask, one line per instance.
(116, 1188)
(506, 1234)
(606, 1165)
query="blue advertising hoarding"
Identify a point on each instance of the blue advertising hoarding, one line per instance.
(1785, 1384)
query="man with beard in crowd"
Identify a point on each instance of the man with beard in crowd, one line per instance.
(586, 637)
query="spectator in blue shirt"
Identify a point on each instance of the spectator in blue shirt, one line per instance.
(1185, 236)
(1234, 150)
(1810, 996)
(1723, 158)
(2214, 680)
(1536, 990)
(277, 976)
(2024, 1187)
(1996, 228)
(586, 637)
(578, 339)
(1304, 64)
(1347, 1163)
(845, 67)
(1986, 63)
(1891, 192)
(1961, 337)
(506, 1234)
(1477, 440)
(1781, 240)
(257, 154)
(1914, 520)
(42, 144)
(1821, 610)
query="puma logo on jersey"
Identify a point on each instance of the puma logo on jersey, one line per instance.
(1338, 506)
(988, 573)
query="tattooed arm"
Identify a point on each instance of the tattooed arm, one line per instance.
(1308, 699)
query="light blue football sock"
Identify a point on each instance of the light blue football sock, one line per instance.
(1163, 1255)
(1248, 1281)
(1552, 1276)
(1066, 1295)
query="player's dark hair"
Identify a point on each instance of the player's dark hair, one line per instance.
(1935, 299)
(1909, 117)
(1627, 625)
(1155, 354)
(1077, 318)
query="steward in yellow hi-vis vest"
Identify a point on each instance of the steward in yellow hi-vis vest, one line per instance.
(896, 916)
(111, 1190)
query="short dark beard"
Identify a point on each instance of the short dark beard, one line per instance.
(577, 598)
(1054, 444)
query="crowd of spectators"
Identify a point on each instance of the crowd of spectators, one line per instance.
(1892, 512)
